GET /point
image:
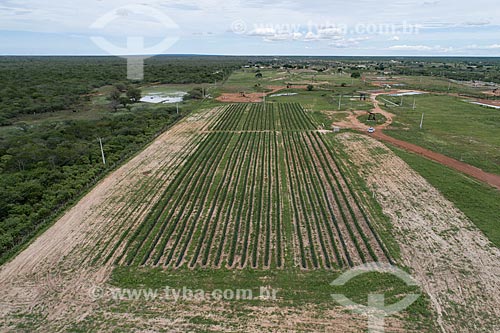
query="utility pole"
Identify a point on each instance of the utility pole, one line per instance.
(422, 121)
(414, 103)
(401, 101)
(102, 152)
(340, 101)
(264, 100)
(177, 105)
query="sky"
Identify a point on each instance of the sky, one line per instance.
(251, 27)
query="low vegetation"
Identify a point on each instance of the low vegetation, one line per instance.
(478, 201)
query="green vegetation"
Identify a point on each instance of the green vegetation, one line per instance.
(294, 287)
(45, 167)
(195, 223)
(379, 119)
(48, 158)
(480, 202)
(453, 127)
(48, 84)
(322, 100)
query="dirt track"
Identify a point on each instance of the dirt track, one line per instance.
(452, 260)
(489, 178)
(354, 123)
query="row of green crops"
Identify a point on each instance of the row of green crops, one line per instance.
(262, 190)
(262, 117)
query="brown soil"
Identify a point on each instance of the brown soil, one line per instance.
(489, 178)
(252, 97)
(488, 101)
(450, 258)
(492, 92)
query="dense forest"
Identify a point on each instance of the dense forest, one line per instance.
(45, 84)
(46, 165)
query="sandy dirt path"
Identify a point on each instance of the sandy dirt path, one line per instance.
(452, 260)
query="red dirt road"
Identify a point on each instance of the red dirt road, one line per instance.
(489, 178)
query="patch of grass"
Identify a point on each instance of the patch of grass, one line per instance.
(479, 202)
(379, 119)
(322, 100)
(453, 127)
(294, 287)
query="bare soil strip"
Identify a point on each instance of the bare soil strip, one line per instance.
(452, 260)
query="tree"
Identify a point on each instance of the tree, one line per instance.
(124, 101)
(114, 95)
(258, 75)
(310, 87)
(134, 94)
(121, 87)
(196, 93)
(114, 98)
(356, 75)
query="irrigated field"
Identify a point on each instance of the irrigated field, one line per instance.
(262, 189)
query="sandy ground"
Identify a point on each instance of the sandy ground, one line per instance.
(252, 97)
(452, 260)
(489, 102)
(207, 316)
(495, 92)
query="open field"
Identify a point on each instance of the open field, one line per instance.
(480, 202)
(463, 131)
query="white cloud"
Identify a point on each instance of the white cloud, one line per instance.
(410, 48)
(483, 47)
(421, 48)
(476, 21)
(348, 42)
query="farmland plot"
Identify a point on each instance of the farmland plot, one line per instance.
(262, 190)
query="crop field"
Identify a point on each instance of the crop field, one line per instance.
(262, 189)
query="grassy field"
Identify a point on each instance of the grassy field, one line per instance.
(323, 100)
(295, 289)
(428, 83)
(478, 201)
(453, 127)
